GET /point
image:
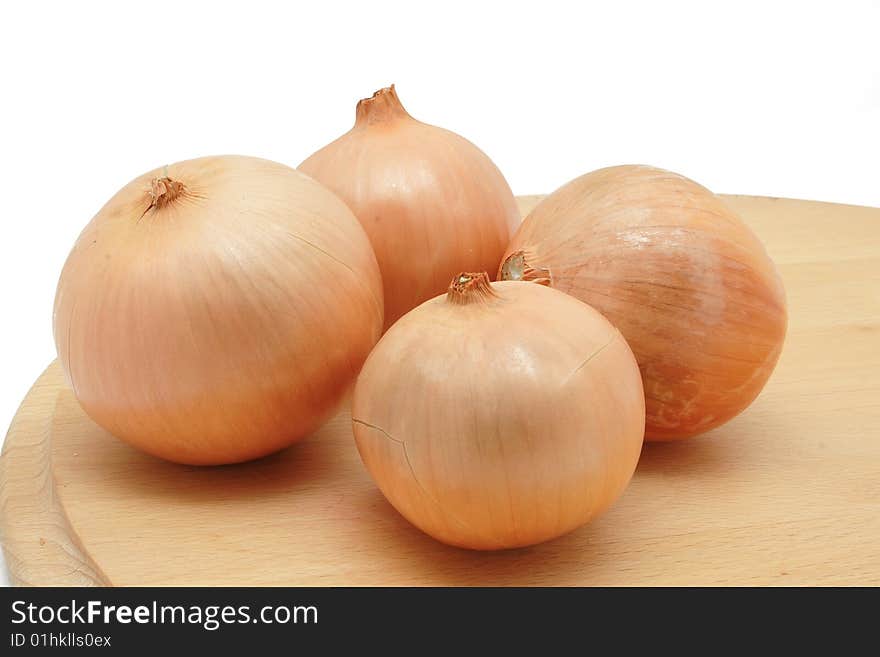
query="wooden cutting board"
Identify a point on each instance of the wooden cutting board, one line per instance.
(787, 493)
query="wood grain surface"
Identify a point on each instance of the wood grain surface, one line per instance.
(787, 493)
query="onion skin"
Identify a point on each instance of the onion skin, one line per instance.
(684, 279)
(432, 203)
(500, 417)
(217, 311)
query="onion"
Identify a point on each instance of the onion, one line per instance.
(217, 311)
(686, 282)
(432, 203)
(500, 415)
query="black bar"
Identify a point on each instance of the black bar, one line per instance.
(424, 619)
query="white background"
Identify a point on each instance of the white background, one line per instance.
(768, 98)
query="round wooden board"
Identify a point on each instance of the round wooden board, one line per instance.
(787, 493)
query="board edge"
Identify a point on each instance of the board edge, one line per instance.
(38, 545)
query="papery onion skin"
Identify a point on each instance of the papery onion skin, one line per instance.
(217, 310)
(500, 417)
(432, 203)
(684, 279)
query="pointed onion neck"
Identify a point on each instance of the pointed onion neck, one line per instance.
(383, 106)
(470, 287)
(164, 190)
(516, 267)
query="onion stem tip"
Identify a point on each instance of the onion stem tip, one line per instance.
(470, 287)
